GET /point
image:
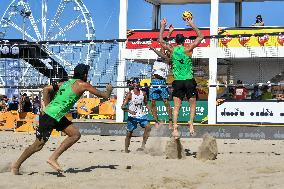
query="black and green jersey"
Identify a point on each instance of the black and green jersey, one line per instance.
(63, 101)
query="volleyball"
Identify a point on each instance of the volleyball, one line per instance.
(186, 15)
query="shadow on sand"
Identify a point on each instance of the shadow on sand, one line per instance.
(189, 153)
(77, 170)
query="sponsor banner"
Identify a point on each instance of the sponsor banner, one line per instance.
(201, 111)
(253, 41)
(222, 132)
(251, 112)
(155, 34)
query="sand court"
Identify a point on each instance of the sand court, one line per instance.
(98, 162)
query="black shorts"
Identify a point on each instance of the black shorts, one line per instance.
(184, 88)
(47, 124)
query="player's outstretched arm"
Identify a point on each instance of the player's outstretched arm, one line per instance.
(171, 29)
(159, 53)
(163, 43)
(163, 25)
(98, 93)
(199, 37)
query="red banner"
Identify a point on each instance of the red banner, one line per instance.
(138, 43)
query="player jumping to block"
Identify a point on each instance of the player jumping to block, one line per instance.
(158, 88)
(184, 84)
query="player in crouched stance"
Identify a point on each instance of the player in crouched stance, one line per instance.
(136, 99)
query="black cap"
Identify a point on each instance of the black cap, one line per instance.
(133, 80)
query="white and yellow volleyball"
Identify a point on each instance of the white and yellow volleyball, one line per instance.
(186, 15)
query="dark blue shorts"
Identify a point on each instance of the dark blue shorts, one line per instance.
(132, 122)
(156, 93)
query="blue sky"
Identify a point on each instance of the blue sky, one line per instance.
(105, 15)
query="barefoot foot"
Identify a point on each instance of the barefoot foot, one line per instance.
(171, 125)
(157, 124)
(15, 169)
(176, 134)
(54, 165)
(191, 128)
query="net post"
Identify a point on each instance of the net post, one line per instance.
(121, 56)
(213, 62)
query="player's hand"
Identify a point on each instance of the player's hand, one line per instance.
(190, 22)
(171, 28)
(191, 129)
(163, 22)
(149, 109)
(109, 88)
(150, 48)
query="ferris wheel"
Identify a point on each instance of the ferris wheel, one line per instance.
(49, 20)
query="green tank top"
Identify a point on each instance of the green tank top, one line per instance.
(63, 101)
(182, 64)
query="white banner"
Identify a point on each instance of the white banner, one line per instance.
(251, 112)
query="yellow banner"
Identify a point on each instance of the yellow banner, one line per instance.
(253, 41)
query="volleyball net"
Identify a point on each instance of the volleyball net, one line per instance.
(247, 57)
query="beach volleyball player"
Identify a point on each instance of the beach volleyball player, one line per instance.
(184, 84)
(159, 89)
(53, 117)
(135, 100)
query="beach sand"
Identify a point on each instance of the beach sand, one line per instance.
(98, 162)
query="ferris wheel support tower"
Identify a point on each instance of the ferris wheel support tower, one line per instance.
(43, 18)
